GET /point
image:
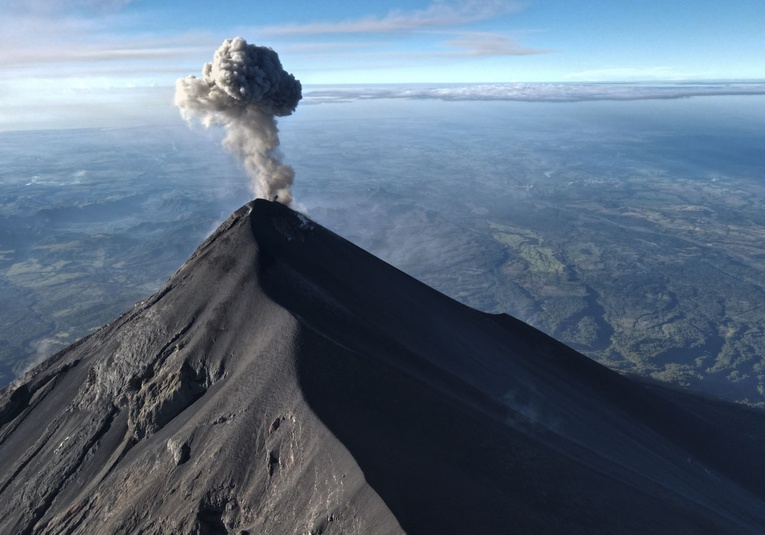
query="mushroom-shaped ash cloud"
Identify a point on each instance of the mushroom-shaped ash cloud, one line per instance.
(244, 89)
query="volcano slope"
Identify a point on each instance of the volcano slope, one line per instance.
(285, 381)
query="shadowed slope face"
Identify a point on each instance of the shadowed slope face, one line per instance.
(284, 381)
(489, 417)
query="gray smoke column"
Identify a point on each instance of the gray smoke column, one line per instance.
(244, 89)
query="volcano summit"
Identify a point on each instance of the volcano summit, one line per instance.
(285, 381)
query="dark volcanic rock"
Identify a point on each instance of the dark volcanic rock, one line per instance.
(284, 381)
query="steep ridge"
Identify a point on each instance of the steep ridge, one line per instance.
(285, 381)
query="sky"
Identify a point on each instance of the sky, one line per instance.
(76, 63)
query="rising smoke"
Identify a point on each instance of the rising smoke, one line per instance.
(244, 89)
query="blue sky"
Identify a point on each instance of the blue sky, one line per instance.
(60, 56)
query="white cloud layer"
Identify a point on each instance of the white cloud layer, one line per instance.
(437, 14)
(542, 92)
(485, 44)
(86, 44)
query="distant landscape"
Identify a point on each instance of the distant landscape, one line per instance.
(631, 231)
(92, 221)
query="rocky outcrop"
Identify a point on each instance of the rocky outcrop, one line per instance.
(183, 416)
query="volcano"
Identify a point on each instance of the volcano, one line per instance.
(285, 381)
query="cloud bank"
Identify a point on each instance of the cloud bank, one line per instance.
(536, 92)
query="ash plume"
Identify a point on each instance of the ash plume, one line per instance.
(244, 89)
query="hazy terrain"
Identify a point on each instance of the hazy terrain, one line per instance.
(92, 221)
(632, 231)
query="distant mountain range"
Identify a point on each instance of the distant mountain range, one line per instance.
(285, 381)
